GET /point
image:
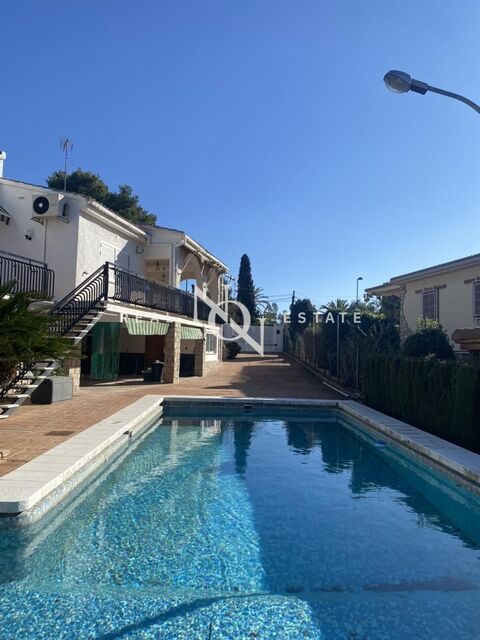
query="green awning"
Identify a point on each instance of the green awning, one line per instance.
(191, 333)
(142, 327)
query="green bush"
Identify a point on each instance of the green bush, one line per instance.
(442, 398)
(233, 349)
(25, 334)
(429, 340)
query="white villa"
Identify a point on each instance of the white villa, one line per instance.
(448, 292)
(119, 287)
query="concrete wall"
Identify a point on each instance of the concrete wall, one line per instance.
(131, 344)
(273, 338)
(455, 299)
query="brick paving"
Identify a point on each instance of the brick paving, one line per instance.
(33, 429)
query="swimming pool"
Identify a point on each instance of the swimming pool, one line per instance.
(234, 527)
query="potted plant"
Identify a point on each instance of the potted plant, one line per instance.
(56, 388)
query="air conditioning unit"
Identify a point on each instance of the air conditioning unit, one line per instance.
(47, 206)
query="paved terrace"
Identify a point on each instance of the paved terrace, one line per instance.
(33, 429)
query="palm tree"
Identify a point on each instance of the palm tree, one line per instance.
(261, 300)
(340, 305)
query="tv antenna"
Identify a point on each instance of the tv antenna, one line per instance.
(66, 145)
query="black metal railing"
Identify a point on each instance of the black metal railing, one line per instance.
(131, 288)
(27, 275)
(74, 306)
(67, 313)
(111, 282)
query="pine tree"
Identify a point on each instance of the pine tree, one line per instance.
(124, 201)
(246, 288)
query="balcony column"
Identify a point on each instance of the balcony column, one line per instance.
(71, 366)
(171, 372)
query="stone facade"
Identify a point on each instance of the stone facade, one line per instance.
(200, 357)
(71, 366)
(171, 371)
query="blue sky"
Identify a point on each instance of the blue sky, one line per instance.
(261, 126)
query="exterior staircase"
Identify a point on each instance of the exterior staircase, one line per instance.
(73, 317)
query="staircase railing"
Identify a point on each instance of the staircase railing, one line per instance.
(68, 312)
(26, 275)
(112, 282)
(75, 305)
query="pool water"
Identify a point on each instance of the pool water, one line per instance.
(250, 528)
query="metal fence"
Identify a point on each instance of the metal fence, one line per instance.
(27, 275)
(131, 288)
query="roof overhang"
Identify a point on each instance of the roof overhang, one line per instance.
(99, 212)
(387, 289)
(205, 255)
(445, 267)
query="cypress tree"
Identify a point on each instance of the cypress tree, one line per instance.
(246, 288)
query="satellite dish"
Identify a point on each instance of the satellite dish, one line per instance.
(41, 205)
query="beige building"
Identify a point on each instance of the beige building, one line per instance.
(448, 292)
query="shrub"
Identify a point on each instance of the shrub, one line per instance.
(429, 340)
(233, 349)
(25, 334)
(442, 398)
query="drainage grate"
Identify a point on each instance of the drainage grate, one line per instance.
(59, 433)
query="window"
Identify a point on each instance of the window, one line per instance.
(430, 304)
(211, 343)
(476, 299)
(64, 213)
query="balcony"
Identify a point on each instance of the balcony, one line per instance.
(124, 286)
(28, 275)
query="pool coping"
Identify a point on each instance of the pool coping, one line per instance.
(25, 487)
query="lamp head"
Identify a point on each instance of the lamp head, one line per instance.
(401, 82)
(398, 81)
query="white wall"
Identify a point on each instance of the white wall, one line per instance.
(455, 300)
(98, 243)
(54, 242)
(273, 338)
(73, 249)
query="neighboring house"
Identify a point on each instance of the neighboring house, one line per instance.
(68, 246)
(448, 293)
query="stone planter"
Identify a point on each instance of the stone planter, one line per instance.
(53, 389)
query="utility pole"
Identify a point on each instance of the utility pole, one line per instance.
(293, 297)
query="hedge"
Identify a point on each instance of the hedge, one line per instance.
(442, 398)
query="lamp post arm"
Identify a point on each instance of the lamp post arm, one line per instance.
(455, 96)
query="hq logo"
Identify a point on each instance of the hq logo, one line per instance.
(221, 310)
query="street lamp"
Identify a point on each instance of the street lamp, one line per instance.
(401, 82)
(356, 339)
(356, 297)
